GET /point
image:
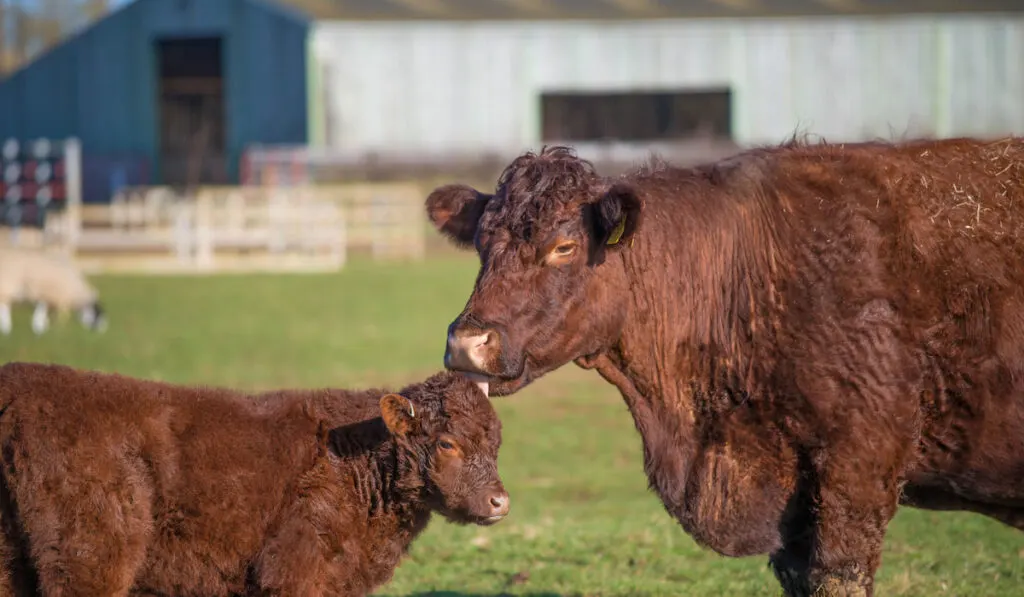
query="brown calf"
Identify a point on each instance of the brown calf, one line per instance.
(119, 486)
(805, 335)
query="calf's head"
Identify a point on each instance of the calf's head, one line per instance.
(551, 286)
(447, 429)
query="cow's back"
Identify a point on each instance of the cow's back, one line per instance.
(948, 211)
(934, 228)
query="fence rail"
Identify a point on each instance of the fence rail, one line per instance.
(245, 228)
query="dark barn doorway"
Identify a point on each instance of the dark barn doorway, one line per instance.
(192, 114)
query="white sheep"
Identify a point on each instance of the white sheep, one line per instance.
(48, 281)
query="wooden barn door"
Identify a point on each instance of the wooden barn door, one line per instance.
(192, 114)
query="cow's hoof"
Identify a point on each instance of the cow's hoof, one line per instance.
(833, 586)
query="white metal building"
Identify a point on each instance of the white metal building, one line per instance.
(493, 85)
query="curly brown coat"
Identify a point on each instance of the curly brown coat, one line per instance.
(116, 486)
(806, 335)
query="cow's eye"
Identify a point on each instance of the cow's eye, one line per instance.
(446, 445)
(564, 250)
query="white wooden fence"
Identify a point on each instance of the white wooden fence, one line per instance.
(234, 228)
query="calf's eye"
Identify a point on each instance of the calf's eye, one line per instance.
(445, 445)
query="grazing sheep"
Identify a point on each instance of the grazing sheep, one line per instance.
(118, 486)
(48, 281)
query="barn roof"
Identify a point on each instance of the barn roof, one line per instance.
(632, 9)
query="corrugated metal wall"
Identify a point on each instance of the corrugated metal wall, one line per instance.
(102, 85)
(439, 87)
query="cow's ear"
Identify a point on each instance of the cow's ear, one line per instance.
(455, 211)
(398, 413)
(616, 216)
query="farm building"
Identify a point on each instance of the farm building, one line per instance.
(167, 91)
(179, 89)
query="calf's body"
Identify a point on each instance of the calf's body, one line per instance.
(806, 336)
(118, 486)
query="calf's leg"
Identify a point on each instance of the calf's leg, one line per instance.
(87, 534)
(292, 563)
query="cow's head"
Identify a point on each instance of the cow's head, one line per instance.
(551, 286)
(448, 431)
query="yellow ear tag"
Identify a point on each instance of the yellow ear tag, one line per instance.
(617, 233)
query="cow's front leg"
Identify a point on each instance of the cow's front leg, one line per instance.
(856, 501)
(837, 550)
(860, 424)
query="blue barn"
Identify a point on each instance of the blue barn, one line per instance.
(167, 91)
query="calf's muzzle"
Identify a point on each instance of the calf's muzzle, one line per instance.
(499, 506)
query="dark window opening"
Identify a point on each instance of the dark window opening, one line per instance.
(192, 116)
(636, 116)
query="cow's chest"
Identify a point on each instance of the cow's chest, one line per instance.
(727, 481)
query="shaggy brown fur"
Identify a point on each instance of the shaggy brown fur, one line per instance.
(118, 486)
(805, 335)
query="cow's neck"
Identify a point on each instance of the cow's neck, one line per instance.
(698, 279)
(700, 276)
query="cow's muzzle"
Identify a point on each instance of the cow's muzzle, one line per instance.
(472, 350)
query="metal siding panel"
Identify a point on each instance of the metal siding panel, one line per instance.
(968, 76)
(427, 60)
(266, 80)
(7, 115)
(192, 17)
(487, 83)
(899, 74)
(110, 100)
(830, 104)
(1014, 75)
(768, 84)
(845, 79)
(46, 95)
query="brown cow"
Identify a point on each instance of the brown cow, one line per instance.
(805, 335)
(119, 486)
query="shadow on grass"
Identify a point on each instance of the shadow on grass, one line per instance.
(501, 594)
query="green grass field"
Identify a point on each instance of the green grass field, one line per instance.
(582, 521)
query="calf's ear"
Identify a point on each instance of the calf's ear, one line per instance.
(398, 413)
(455, 211)
(616, 216)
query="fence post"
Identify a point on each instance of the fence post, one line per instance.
(338, 248)
(73, 190)
(184, 231)
(278, 209)
(380, 229)
(204, 230)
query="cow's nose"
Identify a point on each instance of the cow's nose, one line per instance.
(470, 351)
(499, 505)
